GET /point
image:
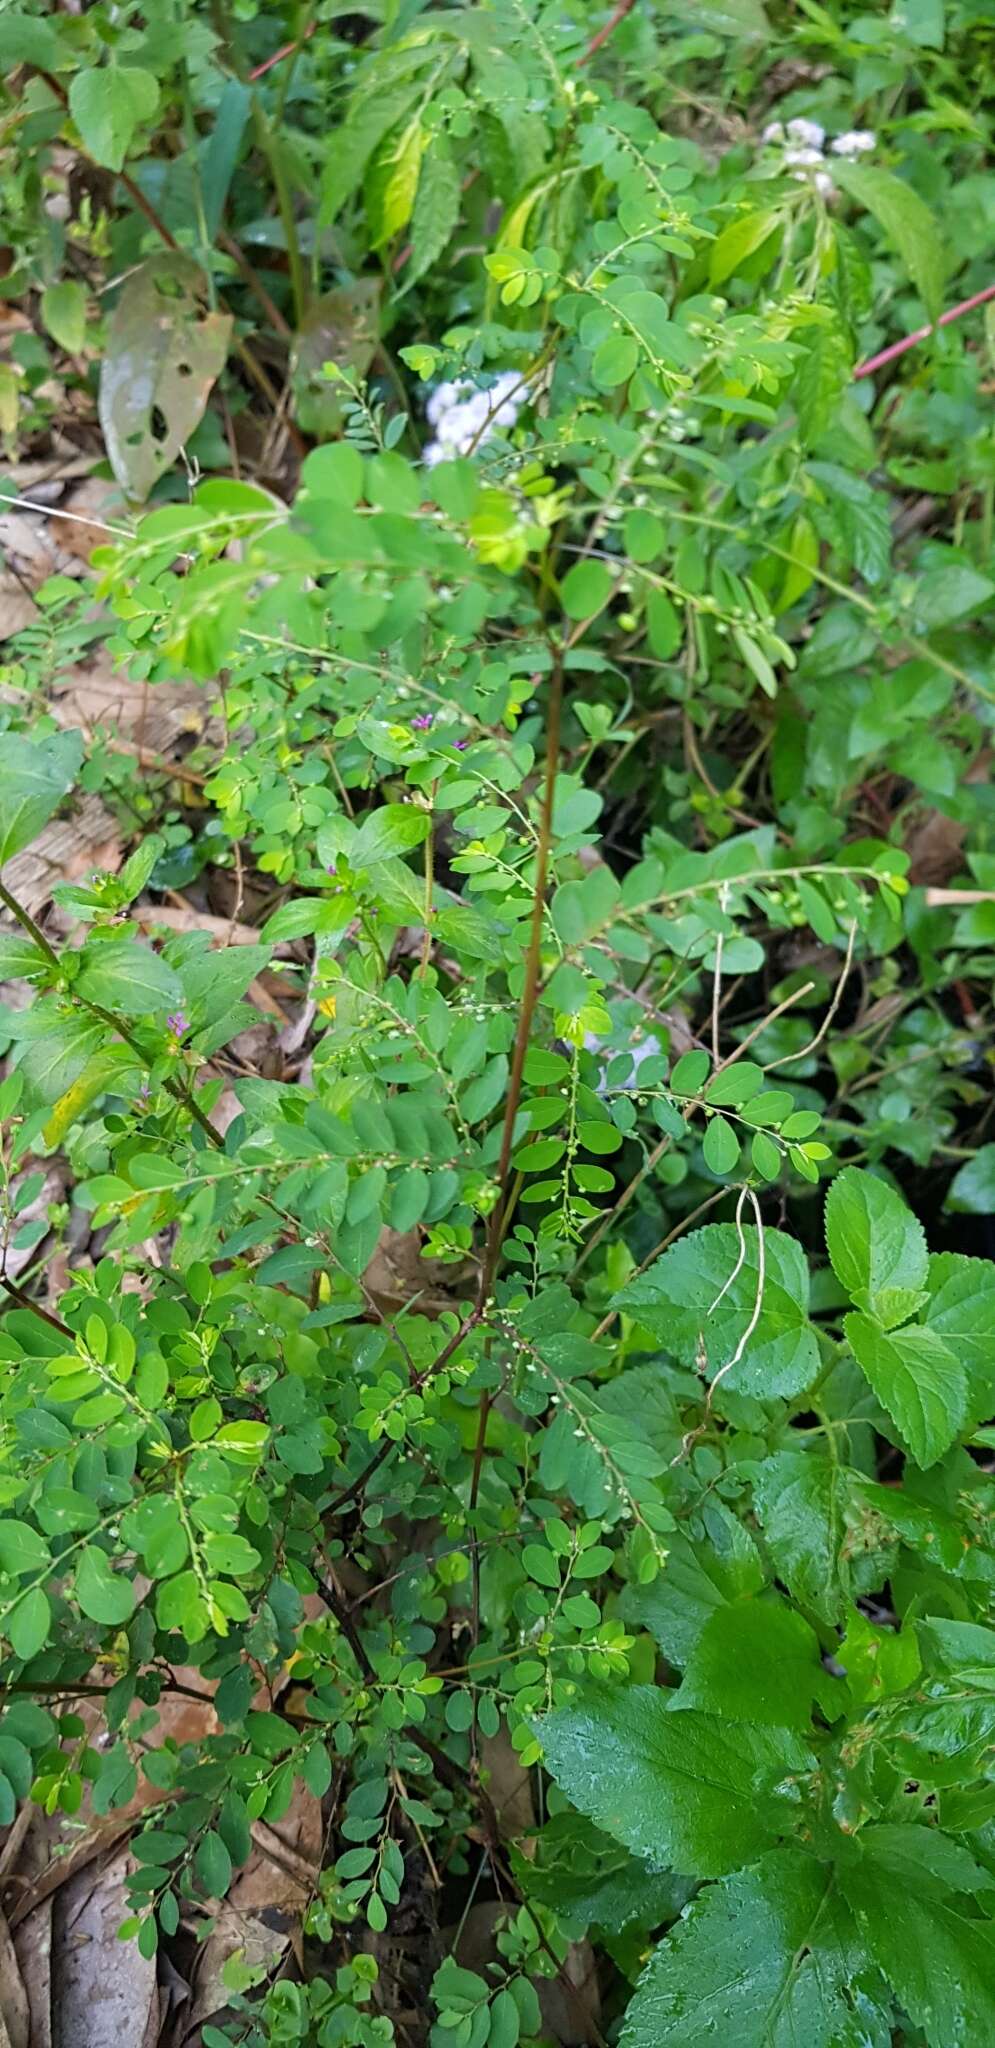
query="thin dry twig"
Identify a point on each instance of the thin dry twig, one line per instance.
(787, 1058)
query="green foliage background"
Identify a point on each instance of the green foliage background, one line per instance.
(585, 751)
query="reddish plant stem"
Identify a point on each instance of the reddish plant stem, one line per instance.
(597, 42)
(286, 50)
(899, 348)
(501, 1213)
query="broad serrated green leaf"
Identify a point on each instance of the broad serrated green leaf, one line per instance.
(917, 1378)
(961, 1310)
(701, 1298)
(757, 1661)
(682, 1789)
(821, 378)
(800, 1500)
(762, 1960)
(939, 1960)
(876, 1246)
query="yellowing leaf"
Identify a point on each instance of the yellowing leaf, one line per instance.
(97, 1076)
(398, 166)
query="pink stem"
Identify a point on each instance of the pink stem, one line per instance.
(279, 55)
(898, 348)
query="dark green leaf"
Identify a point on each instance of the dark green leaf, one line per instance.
(679, 1788)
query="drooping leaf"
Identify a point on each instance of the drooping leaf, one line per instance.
(822, 378)
(436, 210)
(392, 182)
(221, 151)
(164, 352)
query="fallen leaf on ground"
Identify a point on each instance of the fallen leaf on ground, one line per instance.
(263, 1912)
(104, 1992)
(14, 2007)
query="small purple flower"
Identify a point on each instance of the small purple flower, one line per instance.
(144, 1092)
(460, 745)
(177, 1023)
(331, 870)
(423, 721)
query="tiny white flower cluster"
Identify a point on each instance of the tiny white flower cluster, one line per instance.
(803, 143)
(465, 415)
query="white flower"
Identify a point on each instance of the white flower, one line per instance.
(856, 142)
(803, 156)
(444, 396)
(824, 184)
(464, 415)
(774, 132)
(810, 132)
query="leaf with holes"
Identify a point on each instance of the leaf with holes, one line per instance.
(164, 353)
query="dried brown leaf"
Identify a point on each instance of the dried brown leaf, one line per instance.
(103, 1990)
(14, 2006)
(343, 327)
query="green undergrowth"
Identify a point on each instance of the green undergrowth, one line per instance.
(535, 1351)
